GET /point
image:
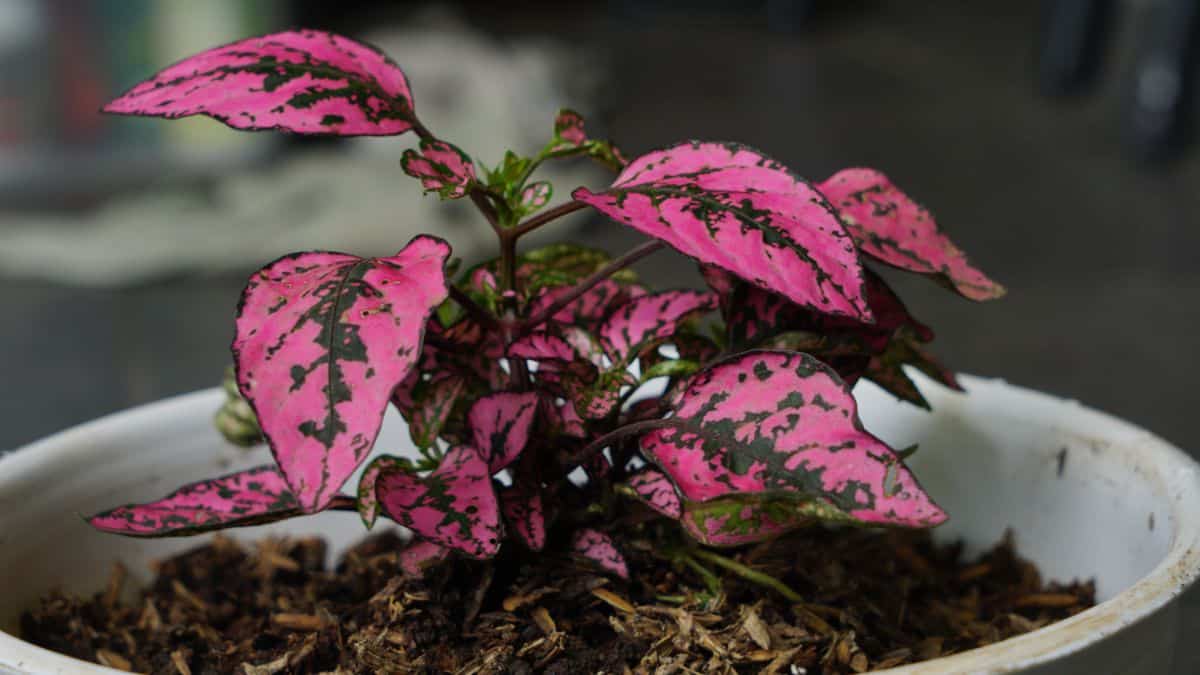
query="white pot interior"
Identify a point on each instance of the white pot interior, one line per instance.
(1087, 495)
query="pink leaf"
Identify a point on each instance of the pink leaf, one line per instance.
(419, 556)
(562, 418)
(645, 321)
(745, 519)
(303, 81)
(889, 226)
(542, 346)
(589, 309)
(454, 506)
(536, 196)
(323, 339)
(886, 369)
(568, 128)
(599, 548)
(731, 206)
(368, 497)
(878, 351)
(654, 489)
(783, 425)
(600, 398)
(754, 315)
(426, 404)
(251, 497)
(441, 168)
(500, 425)
(525, 514)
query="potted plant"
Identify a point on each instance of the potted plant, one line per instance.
(576, 437)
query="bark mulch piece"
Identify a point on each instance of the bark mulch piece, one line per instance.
(871, 600)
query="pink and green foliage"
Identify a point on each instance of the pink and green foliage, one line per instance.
(302, 81)
(441, 168)
(647, 321)
(598, 548)
(570, 138)
(500, 426)
(890, 227)
(427, 404)
(516, 371)
(654, 489)
(323, 339)
(419, 556)
(731, 206)
(525, 514)
(536, 196)
(454, 506)
(251, 497)
(783, 424)
(568, 130)
(368, 497)
(877, 351)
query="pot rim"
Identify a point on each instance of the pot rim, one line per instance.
(1173, 574)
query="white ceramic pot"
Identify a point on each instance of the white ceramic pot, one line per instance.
(1088, 496)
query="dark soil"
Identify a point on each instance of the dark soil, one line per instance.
(871, 600)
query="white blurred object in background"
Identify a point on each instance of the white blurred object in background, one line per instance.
(482, 95)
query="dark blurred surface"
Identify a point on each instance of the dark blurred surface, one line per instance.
(1099, 252)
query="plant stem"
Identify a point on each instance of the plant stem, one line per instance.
(472, 308)
(582, 287)
(508, 262)
(712, 581)
(543, 218)
(593, 448)
(420, 129)
(479, 197)
(748, 574)
(342, 503)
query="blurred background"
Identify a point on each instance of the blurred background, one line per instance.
(1052, 140)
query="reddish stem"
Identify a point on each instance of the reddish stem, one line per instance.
(543, 218)
(594, 448)
(343, 503)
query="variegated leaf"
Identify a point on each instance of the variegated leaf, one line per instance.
(886, 369)
(590, 308)
(600, 398)
(648, 320)
(652, 487)
(889, 226)
(368, 498)
(733, 207)
(599, 549)
(568, 129)
(302, 81)
(250, 497)
(525, 514)
(746, 518)
(783, 425)
(500, 425)
(535, 196)
(323, 339)
(454, 506)
(419, 556)
(426, 404)
(441, 168)
(543, 346)
(571, 139)
(670, 368)
(562, 419)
